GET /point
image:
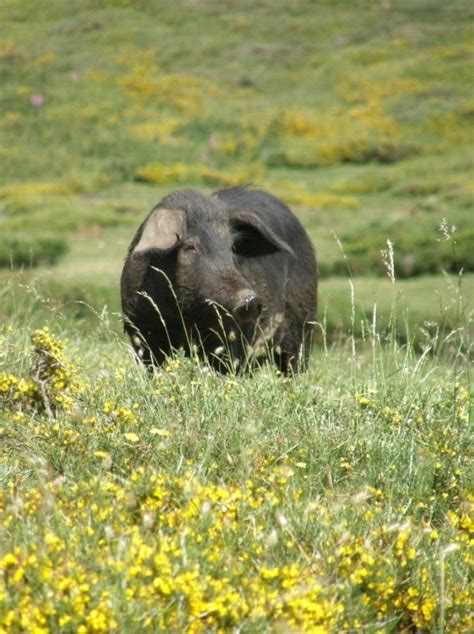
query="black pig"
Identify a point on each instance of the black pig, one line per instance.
(232, 275)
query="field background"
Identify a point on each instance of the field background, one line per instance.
(338, 500)
(359, 117)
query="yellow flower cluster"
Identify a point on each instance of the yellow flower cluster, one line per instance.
(37, 189)
(359, 89)
(185, 92)
(120, 413)
(55, 376)
(170, 553)
(16, 392)
(53, 384)
(160, 173)
(162, 130)
(173, 549)
(358, 134)
(320, 200)
(93, 541)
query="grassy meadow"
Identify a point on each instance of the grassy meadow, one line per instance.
(337, 500)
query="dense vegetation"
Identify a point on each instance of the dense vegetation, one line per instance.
(338, 500)
(359, 117)
(190, 501)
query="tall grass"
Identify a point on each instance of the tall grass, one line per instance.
(338, 499)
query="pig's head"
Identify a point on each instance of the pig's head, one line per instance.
(208, 245)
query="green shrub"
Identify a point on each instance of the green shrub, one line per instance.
(417, 251)
(80, 301)
(19, 250)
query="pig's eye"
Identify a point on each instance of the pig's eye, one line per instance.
(190, 248)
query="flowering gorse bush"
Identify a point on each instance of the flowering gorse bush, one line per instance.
(159, 173)
(53, 383)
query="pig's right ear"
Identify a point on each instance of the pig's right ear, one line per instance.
(162, 230)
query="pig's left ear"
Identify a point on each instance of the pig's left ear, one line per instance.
(162, 230)
(249, 226)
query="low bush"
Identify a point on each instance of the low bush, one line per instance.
(181, 173)
(21, 250)
(417, 251)
(39, 300)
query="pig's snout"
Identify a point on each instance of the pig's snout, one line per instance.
(248, 306)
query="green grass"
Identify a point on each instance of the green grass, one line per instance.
(337, 500)
(359, 117)
(415, 309)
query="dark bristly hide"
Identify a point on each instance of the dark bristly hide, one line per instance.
(231, 275)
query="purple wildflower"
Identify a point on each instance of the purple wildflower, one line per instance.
(37, 99)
